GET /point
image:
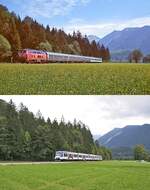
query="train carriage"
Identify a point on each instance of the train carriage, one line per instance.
(73, 156)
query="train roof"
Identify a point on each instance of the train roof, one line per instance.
(77, 153)
(34, 50)
(72, 55)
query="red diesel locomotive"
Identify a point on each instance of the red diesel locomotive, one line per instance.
(32, 56)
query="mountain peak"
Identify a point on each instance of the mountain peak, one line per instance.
(128, 39)
(128, 136)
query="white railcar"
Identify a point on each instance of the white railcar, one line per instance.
(73, 156)
(60, 57)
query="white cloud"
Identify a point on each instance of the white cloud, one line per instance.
(51, 8)
(102, 28)
(100, 113)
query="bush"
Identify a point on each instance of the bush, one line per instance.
(45, 46)
(5, 49)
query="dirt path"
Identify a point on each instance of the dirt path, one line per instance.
(30, 163)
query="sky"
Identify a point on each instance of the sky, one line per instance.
(100, 113)
(91, 17)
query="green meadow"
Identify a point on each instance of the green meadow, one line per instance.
(113, 175)
(79, 79)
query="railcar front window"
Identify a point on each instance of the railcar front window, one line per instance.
(59, 154)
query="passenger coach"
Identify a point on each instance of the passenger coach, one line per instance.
(38, 56)
(73, 156)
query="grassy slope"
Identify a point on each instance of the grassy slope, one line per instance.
(76, 176)
(75, 79)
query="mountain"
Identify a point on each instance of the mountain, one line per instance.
(128, 136)
(92, 38)
(128, 39)
(122, 141)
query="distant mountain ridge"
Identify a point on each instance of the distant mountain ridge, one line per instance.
(128, 39)
(121, 43)
(128, 136)
(95, 137)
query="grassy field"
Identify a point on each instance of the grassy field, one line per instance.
(96, 79)
(76, 176)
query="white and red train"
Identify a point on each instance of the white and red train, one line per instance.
(38, 56)
(73, 156)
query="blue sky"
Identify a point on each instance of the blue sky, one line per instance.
(98, 17)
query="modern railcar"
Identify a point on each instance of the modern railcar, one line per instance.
(39, 56)
(73, 156)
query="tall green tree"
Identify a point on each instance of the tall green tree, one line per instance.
(140, 153)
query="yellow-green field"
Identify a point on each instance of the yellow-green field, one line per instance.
(112, 175)
(98, 79)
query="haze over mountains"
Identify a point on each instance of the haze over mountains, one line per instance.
(128, 136)
(93, 37)
(120, 43)
(95, 137)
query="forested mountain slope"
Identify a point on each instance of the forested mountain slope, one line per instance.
(24, 136)
(28, 33)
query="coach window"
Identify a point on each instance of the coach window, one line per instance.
(65, 155)
(61, 154)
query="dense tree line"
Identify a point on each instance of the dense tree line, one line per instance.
(24, 136)
(28, 33)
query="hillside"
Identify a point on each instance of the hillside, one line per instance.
(128, 39)
(128, 136)
(25, 136)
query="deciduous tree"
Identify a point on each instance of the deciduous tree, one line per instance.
(5, 48)
(136, 56)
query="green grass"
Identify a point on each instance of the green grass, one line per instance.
(77, 176)
(96, 79)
